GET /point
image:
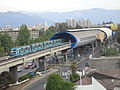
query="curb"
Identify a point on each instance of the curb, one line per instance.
(17, 83)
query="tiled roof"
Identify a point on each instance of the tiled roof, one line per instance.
(85, 81)
(108, 78)
(111, 73)
(113, 79)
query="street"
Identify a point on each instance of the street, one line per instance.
(39, 85)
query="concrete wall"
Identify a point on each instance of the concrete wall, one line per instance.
(94, 86)
(104, 64)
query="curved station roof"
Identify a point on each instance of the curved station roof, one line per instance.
(79, 37)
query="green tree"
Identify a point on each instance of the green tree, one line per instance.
(55, 82)
(74, 77)
(62, 27)
(73, 67)
(109, 52)
(23, 36)
(50, 31)
(41, 33)
(68, 86)
(118, 34)
(6, 42)
(2, 52)
(6, 78)
(118, 37)
(44, 36)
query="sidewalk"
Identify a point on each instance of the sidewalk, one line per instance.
(32, 80)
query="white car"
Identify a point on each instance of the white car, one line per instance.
(19, 69)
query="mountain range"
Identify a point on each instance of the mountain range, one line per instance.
(96, 15)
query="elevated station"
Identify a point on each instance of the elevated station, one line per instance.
(76, 39)
(89, 37)
(81, 37)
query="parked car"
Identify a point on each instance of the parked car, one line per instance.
(32, 73)
(33, 66)
(28, 65)
(19, 69)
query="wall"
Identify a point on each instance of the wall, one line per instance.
(111, 64)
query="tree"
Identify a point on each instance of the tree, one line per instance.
(55, 82)
(2, 52)
(6, 42)
(51, 30)
(68, 86)
(118, 38)
(74, 77)
(46, 34)
(6, 78)
(109, 52)
(23, 36)
(62, 27)
(73, 67)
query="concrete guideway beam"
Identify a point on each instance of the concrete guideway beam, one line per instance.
(35, 55)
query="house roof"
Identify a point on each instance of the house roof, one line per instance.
(111, 73)
(108, 78)
(85, 81)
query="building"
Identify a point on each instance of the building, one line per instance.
(90, 84)
(61, 25)
(34, 27)
(100, 80)
(34, 34)
(84, 22)
(14, 33)
(41, 27)
(7, 27)
(71, 22)
(45, 26)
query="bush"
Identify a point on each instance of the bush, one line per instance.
(25, 77)
(74, 77)
(68, 86)
(55, 82)
(109, 52)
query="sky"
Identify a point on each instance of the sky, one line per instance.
(56, 5)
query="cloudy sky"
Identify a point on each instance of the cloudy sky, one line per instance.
(56, 5)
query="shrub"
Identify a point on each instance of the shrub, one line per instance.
(74, 77)
(23, 78)
(29, 75)
(55, 82)
(109, 52)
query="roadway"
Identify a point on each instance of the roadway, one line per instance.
(39, 85)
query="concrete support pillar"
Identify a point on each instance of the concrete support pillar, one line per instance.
(41, 64)
(56, 58)
(96, 43)
(76, 52)
(98, 48)
(13, 71)
(93, 49)
(64, 52)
